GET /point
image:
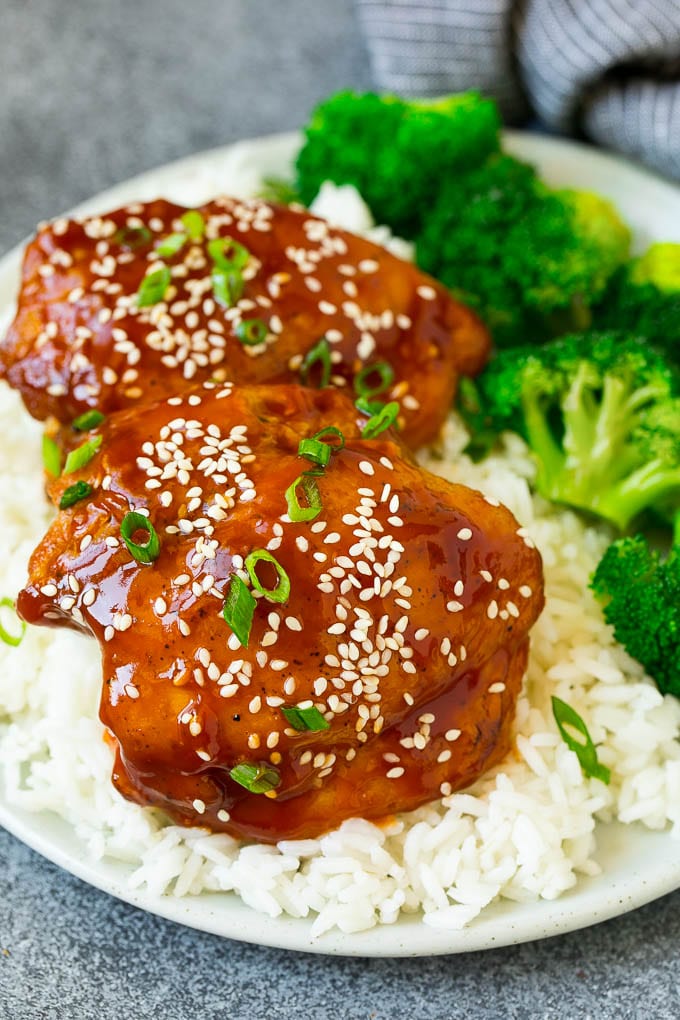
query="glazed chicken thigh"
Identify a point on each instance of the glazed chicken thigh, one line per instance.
(281, 650)
(153, 298)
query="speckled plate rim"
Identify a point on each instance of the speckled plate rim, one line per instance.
(638, 865)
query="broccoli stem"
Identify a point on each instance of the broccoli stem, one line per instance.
(550, 458)
(650, 485)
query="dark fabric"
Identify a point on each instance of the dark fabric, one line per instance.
(609, 68)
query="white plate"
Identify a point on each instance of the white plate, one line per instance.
(638, 865)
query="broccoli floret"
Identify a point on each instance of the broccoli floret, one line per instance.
(644, 298)
(394, 151)
(640, 592)
(530, 260)
(601, 415)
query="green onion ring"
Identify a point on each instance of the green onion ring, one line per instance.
(309, 718)
(238, 609)
(87, 420)
(296, 511)
(251, 332)
(319, 354)
(384, 419)
(79, 490)
(14, 640)
(384, 371)
(145, 552)
(257, 777)
(282, 590)
(82, 454)
(153, 287)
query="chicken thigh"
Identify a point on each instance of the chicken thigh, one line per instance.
(148, 300)
(283, 650)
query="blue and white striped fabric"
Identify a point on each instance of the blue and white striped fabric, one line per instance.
(607, 68)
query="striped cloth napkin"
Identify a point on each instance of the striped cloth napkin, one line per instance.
(609, 69)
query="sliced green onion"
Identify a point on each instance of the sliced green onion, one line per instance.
(171, 244)
(194, 224)
(238, 609)
(132, 237)
(227, 286)
(251, 332)
(51, 455)
(74, 494)
(309, 718)
(88, 420)
(296, 511)
(143, 552)
(227, 253)
(82, 454)
(585, 749)
(153, 287)
(368, 407)
(319, 354)
(315, 450)
(6, 635)
(384, 419)
(331, 430)
(258, 777)
(385, 372)
(282, 590)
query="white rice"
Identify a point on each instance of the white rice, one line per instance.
(526, 830)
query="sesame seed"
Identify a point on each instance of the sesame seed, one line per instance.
(199, 806)
(368, 266)
(366, 467)
(452, 735)
(395, 773)
(492, 609)
(465, 534)
(525, 591)
(496, 688)
(223, 815)
(454, 607)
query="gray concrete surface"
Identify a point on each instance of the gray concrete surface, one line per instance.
(92, 92)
